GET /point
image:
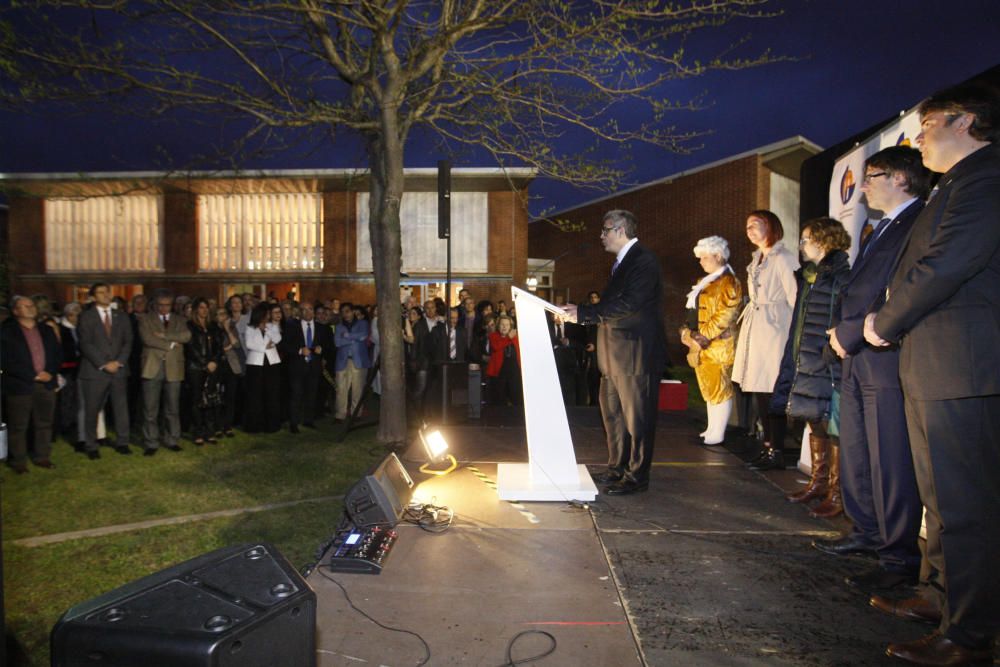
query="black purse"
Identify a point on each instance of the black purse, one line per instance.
(211, 394)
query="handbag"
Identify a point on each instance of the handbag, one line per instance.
(211, 394)
(833, 425)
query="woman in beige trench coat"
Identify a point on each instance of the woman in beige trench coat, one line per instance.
(765, 321)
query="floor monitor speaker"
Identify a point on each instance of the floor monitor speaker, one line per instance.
(241, 606)
(378, 499)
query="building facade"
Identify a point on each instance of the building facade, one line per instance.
(673, 214)
(271, 233)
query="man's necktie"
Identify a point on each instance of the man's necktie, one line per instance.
(873, 237)
(614, 267)
(309, 339)
(452, 347)
(107, 322)
(166, 322)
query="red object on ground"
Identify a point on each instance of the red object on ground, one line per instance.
(673, 395)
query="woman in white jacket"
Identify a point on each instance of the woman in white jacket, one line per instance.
(262, 401)
(765, 321)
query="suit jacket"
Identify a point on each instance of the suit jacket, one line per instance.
(97, 349)
(438, 345)
(864, 290)
(943, 303)
(630, 336)
(18, 368)
(293, 340)
(423, 345)
(352, 343)
(163, 346)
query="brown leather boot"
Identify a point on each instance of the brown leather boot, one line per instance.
(832, 505)
(819, 452)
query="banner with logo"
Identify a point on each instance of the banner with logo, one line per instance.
(846, 202)
(902, 132)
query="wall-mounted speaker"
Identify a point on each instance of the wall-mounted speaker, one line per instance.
(242, 606)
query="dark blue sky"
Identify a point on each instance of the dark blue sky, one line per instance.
(861, 61)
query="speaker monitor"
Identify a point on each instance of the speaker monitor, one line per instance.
(380, 497)
(241, 606)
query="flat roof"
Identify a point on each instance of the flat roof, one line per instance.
(255, 181)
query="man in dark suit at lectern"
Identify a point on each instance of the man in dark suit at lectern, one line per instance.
(631, 349)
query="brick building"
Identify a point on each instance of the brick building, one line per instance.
(674, 212)
(266, 232)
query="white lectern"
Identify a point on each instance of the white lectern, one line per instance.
(551, 472)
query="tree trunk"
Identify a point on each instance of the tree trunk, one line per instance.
(386, 160)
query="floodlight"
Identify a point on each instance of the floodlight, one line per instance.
(436, 451)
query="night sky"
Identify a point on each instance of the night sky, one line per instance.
(860, 61)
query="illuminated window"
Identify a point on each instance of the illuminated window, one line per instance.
(104, 234)
(423, 251)
(261, 232)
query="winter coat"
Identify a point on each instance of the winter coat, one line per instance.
(809, 368)
(766, 320)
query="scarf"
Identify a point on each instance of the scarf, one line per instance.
(692, 296)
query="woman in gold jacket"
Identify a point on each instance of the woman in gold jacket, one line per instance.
(713, 306)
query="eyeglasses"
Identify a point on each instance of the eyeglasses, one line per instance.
(607, 230)
(804, 240)
(870, 177)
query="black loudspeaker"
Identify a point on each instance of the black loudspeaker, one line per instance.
(242, 606)
(444, 199)
(380, 497)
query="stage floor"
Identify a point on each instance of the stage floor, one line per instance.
(709, 567)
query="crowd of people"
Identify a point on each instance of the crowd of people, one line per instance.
(171, 365)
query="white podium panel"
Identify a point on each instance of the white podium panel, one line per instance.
(551, 472)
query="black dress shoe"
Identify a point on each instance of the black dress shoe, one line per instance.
(936, 649)
(608, 477)
(80, 447)
(309, 425)
(880, 579)
(44, 463)
(93, 455)
(19, 468)
(626, 487)
(852, 545)
(149, 451)
(293, 429)
(123, 450)
(773, 460)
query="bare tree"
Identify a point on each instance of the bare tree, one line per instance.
(513, 77)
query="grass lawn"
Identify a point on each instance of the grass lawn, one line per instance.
(42, 582)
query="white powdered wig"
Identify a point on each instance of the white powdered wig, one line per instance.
(712, 245)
